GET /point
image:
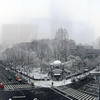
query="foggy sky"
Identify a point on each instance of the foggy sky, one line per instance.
(80, 17)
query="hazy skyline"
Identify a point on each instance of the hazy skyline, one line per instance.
(79, 17)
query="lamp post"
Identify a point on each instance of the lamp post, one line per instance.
(96, 73)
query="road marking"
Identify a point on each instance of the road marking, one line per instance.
(16, 97)
(19, 86)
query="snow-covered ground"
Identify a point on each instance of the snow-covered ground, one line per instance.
(55, 83)
(37, 74)
(39, 83)
(49, 83)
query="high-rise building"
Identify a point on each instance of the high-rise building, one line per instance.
(61, 34)
(16, 33)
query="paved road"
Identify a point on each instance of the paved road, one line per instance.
(17, 95)
(14, 90)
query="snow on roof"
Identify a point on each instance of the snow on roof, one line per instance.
(56, 62)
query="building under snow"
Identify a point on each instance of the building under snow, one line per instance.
(57, 70)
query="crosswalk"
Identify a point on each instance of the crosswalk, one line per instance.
(76, 94)
(17, 86)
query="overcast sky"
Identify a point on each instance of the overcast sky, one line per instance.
(80, 17)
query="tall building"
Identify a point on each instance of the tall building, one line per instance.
(61, 34)
(16, 33)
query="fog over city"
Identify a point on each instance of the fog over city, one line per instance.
(50, 49)
(37, 19)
